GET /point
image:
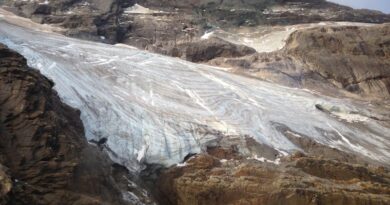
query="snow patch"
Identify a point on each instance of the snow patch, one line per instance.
(265, 160)
(207, 35)
(181, 164)
(138, 9)
(141, 153)
(223, 160)
(46, 2)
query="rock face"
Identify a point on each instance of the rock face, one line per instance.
(299, 179)
(168, 27)
(336, 60)
(43, 145)
(227, 13)
(163, 25)
(87, 19)
(354, 58)
(205, 50)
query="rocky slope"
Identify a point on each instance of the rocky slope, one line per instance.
(353, 58)
(208, 49)
(227, 13)
(44, 149)
(163, 24)
(224, 177)
(91, 19)
(330, 59)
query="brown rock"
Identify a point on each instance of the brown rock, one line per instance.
(5, 185)
(356, 58)
(304, 181)
(206, 50)
(220, 153)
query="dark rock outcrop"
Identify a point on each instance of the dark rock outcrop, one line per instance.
(44, 148)
(205, 50)
(227, 13)
(87, 19)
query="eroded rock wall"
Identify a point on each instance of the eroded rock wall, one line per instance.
(297, 180)
(354, 58)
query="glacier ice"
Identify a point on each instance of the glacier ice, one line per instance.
(159, 109)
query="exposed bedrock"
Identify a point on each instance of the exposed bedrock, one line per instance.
(299, 179)
(43, 148)
(267, 12)
(86, 19)
(208, 49)
(165, 23)
(330, 59)
(354, 58)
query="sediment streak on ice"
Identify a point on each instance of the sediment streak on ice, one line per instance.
(159, 109)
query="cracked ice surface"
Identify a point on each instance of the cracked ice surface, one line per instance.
(159, 109)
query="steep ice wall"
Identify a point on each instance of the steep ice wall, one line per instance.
(159, 109)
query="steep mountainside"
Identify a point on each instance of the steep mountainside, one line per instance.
(163, 24)
(335, 60)
(87, 19)
(43, 148)
(356, 59)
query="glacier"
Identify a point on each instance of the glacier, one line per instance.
(157, 109)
